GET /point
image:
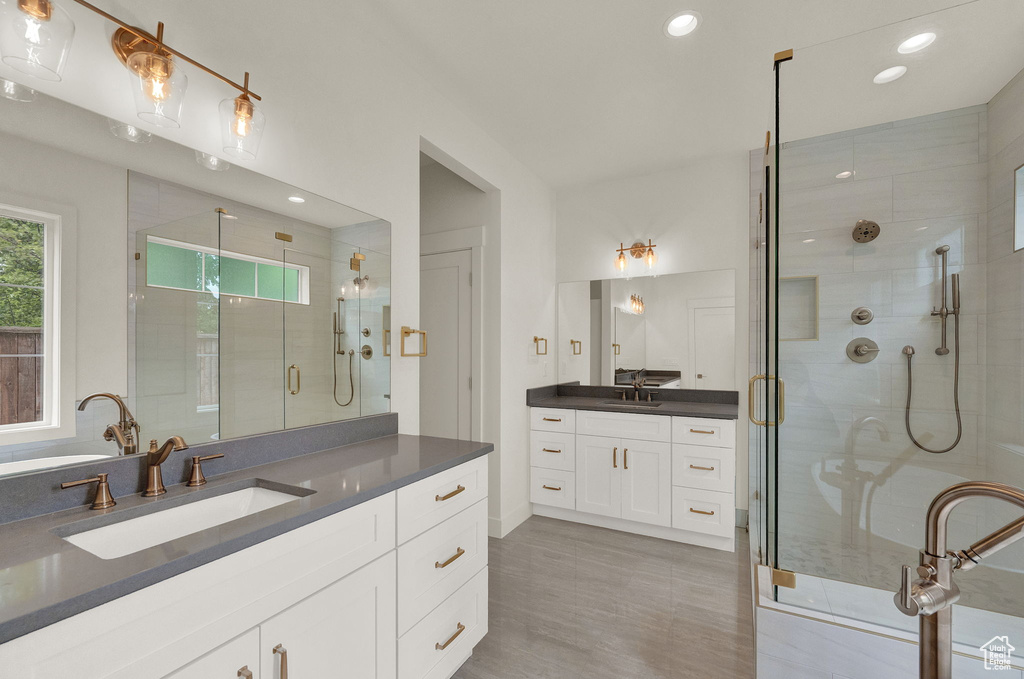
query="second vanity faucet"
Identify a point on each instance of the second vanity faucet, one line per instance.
(154, 458)
(126, 432)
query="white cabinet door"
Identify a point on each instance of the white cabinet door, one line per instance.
(647, 482)
(346, 630)
(240, 657)
(598, 484)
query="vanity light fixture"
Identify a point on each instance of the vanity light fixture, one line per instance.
(241, 125)
(916, 43)
(35, 37)
(890, 74)
(637, 251)
(682, 24)
(212, 162)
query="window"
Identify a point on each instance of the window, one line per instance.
(196, 268)
(29, 300)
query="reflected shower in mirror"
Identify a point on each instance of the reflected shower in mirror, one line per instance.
(674, 331)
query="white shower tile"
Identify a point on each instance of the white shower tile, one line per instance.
(933, 389)
(828, 385)
(1000, 231)
(908, 245)
(1006, 115)
(1006, 283)
(815, 164)
(918, 145)
(774, 668)
(829, 251)
(837, 206)
(923, 333)
(840, 294)
(915, 292)
(1001, 168)
(939, 193)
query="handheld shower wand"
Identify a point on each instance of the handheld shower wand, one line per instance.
(908, 350)
(339, 330)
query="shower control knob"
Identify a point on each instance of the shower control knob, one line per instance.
(862, 350)
(862, 315)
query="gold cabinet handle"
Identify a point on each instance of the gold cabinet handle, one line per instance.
(245, 672)
(703, 469)
(698, 511)
(449, 496)
(552, 419)
(625, 458)
(700, 431)
(458, 552)
(751, 399)
(441, 647)
(406, 332)
(548, 450)
(615, 458)
(298, 379)
(283, 652)
(551, 487)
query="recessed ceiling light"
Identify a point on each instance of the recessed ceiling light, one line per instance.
(844, 175)
(890, 74)
(297, 199)
(809, 240)
(916, 43)
(683, 23)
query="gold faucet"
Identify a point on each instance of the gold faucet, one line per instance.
(126, 432)
(154, 458)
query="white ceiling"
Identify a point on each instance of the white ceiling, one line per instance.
(587, 90)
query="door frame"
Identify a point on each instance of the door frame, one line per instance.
(472, 239)
(691, 330)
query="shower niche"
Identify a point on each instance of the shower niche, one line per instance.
(247, 321)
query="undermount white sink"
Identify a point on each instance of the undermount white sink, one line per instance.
(157, 527)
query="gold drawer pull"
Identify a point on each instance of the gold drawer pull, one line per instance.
(283, 652)
(441, 647)
(698, 511)
(551, 487)
(548, 450)
(458, 552)
(245, 672)
(700, 431)
(449, 496)
(703, 469)
(552, 419)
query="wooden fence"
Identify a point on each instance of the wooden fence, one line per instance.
(21, 375)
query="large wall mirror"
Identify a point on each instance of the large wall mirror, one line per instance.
(215, 301)
(674, 331)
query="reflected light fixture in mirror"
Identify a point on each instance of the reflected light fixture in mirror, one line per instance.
(35, 37)
(241, 125)
(128, 132)
(211, 162)
(16, 91)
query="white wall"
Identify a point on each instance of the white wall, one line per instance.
(353, 133)
(697, 216)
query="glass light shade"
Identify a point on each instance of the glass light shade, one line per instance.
(241, 127)
(212, 162)
(35, 37)
(16, 91)
(128, 132)
(621, 262)
(650, 258)
(159, 87)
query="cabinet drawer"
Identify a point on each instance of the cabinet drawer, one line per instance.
(436, 564)
(241, 653)
(704, 467)
(553, 487)
(427, 503)
(624, 425)
(553, 419)
(456, 625)
(704, 511)
(552, 450)
(704, 432)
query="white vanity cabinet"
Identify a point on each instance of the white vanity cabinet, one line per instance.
(658, 475)
(237, 658)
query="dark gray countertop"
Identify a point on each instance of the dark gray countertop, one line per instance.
(44, 578)
(718, 411)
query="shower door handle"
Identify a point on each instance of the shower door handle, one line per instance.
(751, 400)
(298, 379)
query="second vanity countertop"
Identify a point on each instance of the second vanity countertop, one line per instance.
(718, 411)
(44, 578)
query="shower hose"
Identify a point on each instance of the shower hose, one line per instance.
(956, 391)
(351, 383)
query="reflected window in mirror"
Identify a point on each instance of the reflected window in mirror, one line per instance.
(1018, 205)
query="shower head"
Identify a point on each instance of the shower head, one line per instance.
(866, 231)
(941, 249)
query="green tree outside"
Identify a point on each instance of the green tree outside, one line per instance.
(21, 265)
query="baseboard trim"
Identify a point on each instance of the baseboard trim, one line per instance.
(499, 528)
(727, 544)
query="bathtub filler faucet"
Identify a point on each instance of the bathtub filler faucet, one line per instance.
(126, 432)
(932, 595)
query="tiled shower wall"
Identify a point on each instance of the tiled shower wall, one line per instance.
(853, 489)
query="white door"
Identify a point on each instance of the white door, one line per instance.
(714, 348)
(446, 370)
(574, 343)
(647, 482)
(232, 660)
(344, 630)
(598, 486)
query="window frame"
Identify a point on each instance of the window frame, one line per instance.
(58, 381)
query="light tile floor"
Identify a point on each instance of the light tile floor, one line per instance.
(572, 601)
